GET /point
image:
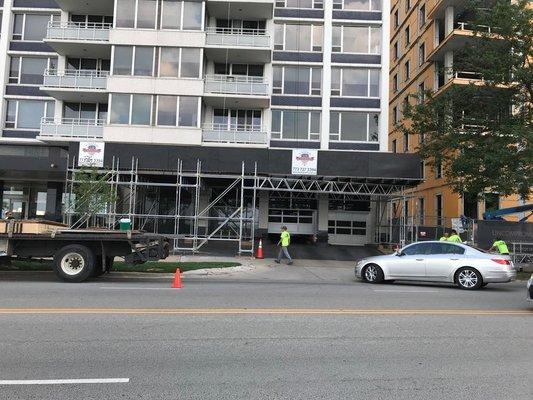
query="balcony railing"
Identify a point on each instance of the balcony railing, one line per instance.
(467, 26)
(78, 31)
(237, 84)
(76, 79)
(72, 128)
(238, 37)
(243, 134)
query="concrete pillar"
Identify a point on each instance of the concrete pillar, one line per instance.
(323, 217)
(448, 66)
(326, 74)
(262, 230)
(54, 192)
(449, 16)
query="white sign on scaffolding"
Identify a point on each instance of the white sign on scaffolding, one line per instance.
(304, 162)
(91, 154)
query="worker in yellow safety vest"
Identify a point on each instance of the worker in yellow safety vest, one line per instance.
(454, 237)
(444, 237)
(501, 246)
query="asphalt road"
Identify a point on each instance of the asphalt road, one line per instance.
(232, 339)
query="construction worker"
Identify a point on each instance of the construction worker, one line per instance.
(454, 237)
(284, 241)
(445, 237)
(501, 246)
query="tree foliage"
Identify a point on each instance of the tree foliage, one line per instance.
(482, 132)
(93, 193)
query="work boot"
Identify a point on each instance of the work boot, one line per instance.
(289, 263)
(276, 261)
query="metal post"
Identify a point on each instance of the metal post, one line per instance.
(178, 204)
(241, 208)
(252, 229)
(196, 204)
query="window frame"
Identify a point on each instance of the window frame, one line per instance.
(317, 5)
(16, 80)
(342, 3)
(369, 42)
(338, 134)
(311, 90)
(311, 136)
(368, 80)
(53, 17)
(13, 125)
(177, 125)
(313, 48)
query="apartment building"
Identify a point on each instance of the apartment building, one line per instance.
(220, 81)
(425, 36)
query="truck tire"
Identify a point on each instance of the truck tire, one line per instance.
(74, 263)
(98, 269)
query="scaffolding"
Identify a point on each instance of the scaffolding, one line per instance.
(198, 215)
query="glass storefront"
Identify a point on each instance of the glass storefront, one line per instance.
(24, 201)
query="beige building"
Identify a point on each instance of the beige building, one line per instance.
(425, 34)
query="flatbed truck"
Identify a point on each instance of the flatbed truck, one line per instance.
(79, 254)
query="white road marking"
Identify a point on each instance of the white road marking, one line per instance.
(134, 288)
(405, 291)
(62, 381)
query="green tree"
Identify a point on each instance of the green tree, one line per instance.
(481, 133)
(93, 193)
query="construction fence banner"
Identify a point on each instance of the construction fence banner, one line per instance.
(510, 232)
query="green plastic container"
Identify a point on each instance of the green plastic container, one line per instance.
(125, 224)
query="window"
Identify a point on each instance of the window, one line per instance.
(407, 70)
(358, 5)
(144, 14)
(177, 111)
(396, 50)
(396, 19)
(297, 80)
(298, 37)
(421, 209)
(421, 16)
(422, 169)
(354, 126)
(233, 120)
(120, 109)
(395, 115)
(416, 249)
(347, 227)
(446, 248)
(492, 201)
(131, 109)
(133, 60)
(180, 62)
(27, 114)
(421, 95)
(421, 54)
(407, 6)
(394, 146)
(356, 39)
(438, 170)
(30, 70)
(438, 209)
(317, 4)
(141, 109)
(395, 83)
(31, 27)
(407, 37)
(355, 82)
(295, 125)
(406, 143)
(95, 112)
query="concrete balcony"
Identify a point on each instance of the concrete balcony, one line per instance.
(234, 134)
(462, 34)
(76, 85)
(241, 9)
(93, 7)
(230, 91)
(238, 45)
(71, 129)
(440, 6)
(77, 39)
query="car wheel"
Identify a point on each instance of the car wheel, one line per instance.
(372, 273)
(468, 278)
(74, 263)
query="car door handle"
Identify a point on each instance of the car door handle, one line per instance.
(454, 259)
(419, 259)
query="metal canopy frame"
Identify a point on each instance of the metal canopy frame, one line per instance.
(191, 230)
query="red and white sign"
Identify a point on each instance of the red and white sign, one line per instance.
(304, 162)
(91, 154)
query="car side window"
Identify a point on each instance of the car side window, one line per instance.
(446, 248)
(419, 248)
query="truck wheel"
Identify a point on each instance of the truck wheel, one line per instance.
(74, 263)
(98, 267)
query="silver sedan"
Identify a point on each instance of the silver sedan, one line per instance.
(438, 261)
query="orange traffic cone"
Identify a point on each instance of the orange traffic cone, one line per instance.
(260, 249)
(177, 280)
